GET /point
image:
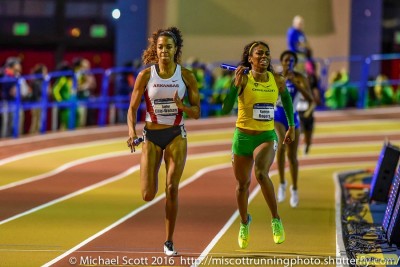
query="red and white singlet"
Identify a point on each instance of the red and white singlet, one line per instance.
(159, 97)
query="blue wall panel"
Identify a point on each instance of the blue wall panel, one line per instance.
(131, 30)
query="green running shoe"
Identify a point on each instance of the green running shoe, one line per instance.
(244, 230)
(278, 231)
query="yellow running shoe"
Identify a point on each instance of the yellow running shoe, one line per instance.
(244, 230)
(278, 231)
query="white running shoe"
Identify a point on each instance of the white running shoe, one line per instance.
(281, 192)
(294, 198)
(169, 249)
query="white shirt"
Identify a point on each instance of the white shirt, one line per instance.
(159, 97)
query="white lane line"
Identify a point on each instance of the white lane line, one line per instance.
(103, 130)
(255, 191)
(349, 112)
(62, 168)
(191, 179)
(226, 227)
(192, 144)
(60, 135)
(103, 143)
(207, 121)
(58, 148)
(72, 164)
(74, 194)
(104, 182)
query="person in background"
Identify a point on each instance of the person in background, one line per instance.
(384, 91)
(13, 69)
(307, 123)
(255, 140)
(62, 93)
(297, 42)
(86, 89)
(297, 85)
(163, 85)
(220, 89)
(36, 96)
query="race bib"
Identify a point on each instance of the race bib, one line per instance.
(302, 106)
(263, 112)
(165, 107)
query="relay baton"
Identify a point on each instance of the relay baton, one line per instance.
(135, 142)
(138, 141)
(232, 68)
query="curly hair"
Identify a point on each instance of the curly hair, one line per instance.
(248, 49)
(150, 54)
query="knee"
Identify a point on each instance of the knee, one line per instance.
(243, 186)
(172, 190)
(261, 175)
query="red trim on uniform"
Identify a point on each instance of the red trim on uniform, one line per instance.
(178, 117)
(149, 107)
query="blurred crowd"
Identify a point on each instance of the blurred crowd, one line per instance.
(342, 93)
(76, 82)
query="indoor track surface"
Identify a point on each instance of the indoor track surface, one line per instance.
(73, 198)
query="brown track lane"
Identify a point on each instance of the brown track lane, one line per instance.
(8, 147)
(205, 206)
(21, 198)
(11, 147)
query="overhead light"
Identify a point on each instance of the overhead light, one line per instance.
(116, 13)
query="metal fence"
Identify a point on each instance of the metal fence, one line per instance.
(105, 101)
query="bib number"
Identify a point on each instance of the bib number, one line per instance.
(165, 107)
(263, 112)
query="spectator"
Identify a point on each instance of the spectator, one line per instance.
(384, 91)
(62, 93)
(341, 93)
(86, 89)
(13, 70)
(220, 88)
(36, 95)
(297, 42)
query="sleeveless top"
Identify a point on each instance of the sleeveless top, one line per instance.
(159, 97)
(256, 104)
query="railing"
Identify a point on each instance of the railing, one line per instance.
(105, 99)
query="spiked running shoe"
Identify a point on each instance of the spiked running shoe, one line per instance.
(169, 249)
(278, 231)
(244, 231)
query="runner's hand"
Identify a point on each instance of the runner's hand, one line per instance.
(131, 143)
(290, 135)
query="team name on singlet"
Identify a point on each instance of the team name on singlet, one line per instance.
(263, 90)
(166, 85)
